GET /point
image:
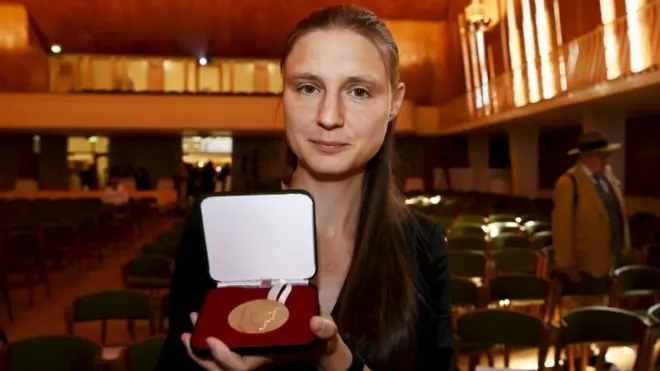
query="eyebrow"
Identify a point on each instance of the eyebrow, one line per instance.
(350, 80)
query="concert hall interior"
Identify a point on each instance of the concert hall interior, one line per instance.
(116, 115)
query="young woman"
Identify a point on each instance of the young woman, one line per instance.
(382, 275)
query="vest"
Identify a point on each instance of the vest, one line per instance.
(613, 209)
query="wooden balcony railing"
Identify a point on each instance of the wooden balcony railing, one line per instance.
(625, 47)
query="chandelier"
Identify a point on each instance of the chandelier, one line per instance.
(475, 15)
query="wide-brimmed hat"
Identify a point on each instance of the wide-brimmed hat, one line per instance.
(594, 141)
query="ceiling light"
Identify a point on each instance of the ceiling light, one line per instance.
(203, 61)
(56, 49)
(475, 14)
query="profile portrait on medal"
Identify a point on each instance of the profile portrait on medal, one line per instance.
(262, 315)
(327, 267)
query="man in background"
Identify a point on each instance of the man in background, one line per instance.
(589, 224)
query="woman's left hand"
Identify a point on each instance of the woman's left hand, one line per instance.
(334, 354)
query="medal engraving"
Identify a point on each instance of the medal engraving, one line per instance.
(258, 316)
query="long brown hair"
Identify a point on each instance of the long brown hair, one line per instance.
(377, 310)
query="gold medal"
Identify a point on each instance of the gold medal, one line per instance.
(258, 316)
(262, 315)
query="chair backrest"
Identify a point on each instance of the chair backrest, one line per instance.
(633, 279)
(588, 285)
(467, 264)
(532, 218)
(53, 353)
(502, 218)
(467, 230)
(654, 313)
(536, 227)
(143, 356)
(503, 327)
(542, 239)
(603, 325)
(507, 240)
(470, 218)
(112, 305)
(517, 260)
(518, 287)
(150, 266)
(464, 292)
(607, 325)
(466, 243)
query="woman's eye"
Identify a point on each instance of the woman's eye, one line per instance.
(360, 93)
(307, 89)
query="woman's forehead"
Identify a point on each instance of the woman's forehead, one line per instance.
(336, 53)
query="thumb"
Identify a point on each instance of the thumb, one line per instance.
(323, 328)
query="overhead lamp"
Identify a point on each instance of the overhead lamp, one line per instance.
(475, 15)
(56, 49)
(203, 61)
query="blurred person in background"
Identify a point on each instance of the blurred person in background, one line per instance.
(115, 193)
(223, 176)
(209, 176)
(589, 224)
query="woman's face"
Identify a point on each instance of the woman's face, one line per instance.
(337, 101)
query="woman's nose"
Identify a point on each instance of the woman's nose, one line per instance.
(330, 113)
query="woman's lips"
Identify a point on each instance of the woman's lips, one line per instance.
(329, 147)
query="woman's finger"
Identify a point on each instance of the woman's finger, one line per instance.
(193, 318)
(224, 356)
(205, 364)
(323, 327)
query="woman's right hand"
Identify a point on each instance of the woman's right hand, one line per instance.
(223, 358)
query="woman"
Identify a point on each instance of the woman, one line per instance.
(382, 272)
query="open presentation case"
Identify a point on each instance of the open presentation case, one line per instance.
(261, 252)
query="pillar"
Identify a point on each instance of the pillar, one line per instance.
(160, 155)
(53, 164)
(524, 152)
(479, 159)
(613, 125)
(17, 159)
(256, 160)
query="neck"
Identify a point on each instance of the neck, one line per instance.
(593, 167)
(337, 203)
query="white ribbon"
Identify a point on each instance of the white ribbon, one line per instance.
(280, 291)
(285, 293)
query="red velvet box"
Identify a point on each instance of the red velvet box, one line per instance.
(261, 251)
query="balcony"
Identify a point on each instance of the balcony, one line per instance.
(160, 94)
(619, 58)
(124, 74)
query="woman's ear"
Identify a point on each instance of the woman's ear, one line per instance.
(397, 100)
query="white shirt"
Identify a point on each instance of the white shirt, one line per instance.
(602, 183)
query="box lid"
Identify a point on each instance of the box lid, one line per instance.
(251, 238)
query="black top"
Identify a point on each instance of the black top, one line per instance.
(435, 350)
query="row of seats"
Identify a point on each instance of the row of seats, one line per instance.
(489, 330)
(505, 291)
(500, 303)
(144, 278)
(39, 237)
